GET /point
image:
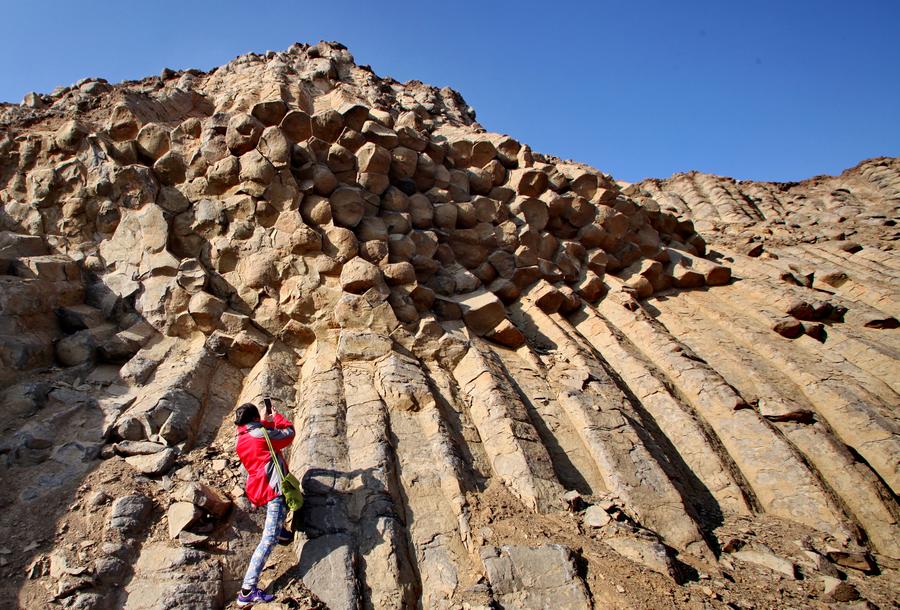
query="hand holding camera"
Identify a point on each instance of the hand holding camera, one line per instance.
(269, 412)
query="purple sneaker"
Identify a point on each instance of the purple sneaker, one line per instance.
(256, 596)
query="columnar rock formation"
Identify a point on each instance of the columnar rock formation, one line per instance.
(515, 380)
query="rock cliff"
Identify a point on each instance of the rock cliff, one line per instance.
(516, 382)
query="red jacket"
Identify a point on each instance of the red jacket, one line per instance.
(263, 480)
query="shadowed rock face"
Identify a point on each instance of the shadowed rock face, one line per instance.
(515, 380)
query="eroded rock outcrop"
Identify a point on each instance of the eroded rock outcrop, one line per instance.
(515, 380)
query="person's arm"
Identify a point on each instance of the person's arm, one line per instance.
(281, 431)
(280, 421)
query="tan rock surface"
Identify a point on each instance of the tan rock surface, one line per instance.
(469, 336)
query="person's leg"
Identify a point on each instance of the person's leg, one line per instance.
(275, 512)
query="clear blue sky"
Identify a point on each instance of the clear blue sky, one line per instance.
(764, 90)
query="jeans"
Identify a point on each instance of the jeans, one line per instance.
(276, 510)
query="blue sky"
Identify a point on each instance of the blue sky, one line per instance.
(763, 90)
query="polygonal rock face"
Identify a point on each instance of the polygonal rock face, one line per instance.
(467, 335)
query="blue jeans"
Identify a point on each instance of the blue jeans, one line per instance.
(276, 511)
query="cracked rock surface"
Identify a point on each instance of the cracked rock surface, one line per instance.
(516, 381)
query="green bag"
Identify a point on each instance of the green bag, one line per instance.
(290, 486)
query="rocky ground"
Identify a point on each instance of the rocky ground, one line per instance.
(517, 382)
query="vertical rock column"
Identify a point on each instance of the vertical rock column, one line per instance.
(387, 575)
(327, 559)
(601, 414)
(783, 484)
(683, 431)
(513, 446)
(428, 471)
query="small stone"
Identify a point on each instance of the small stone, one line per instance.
(204, 496)
(595, 516)
(129, 512)
(733, 545)
(801, 310)
(858, 560)
(180, 516)
(790, 328)
(97, 499)
(507, 334)
(573, 500)
(768, 561)
(838, 590)
(191, 539)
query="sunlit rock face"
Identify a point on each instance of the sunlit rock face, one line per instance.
(516, 382)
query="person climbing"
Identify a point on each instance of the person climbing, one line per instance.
(263, 486)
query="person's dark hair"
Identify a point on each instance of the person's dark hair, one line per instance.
(245, 414)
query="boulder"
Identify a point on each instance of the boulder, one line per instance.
(247, 348)
(399, 273)
(790, 328)
(192, 275)
(534, 577)
(70, 135)
(421, 211)
(127, 448)
(858, 560)
(73, 318)
(481, 310)
(404, 162)
(256, 168)
(362, 345)
(648, 553)
(153, 141)
(379, 134)
(373, 158)
(368, 311)
(242, 133)
(769, 561)
(129, 513)
(180, 516)
(595, 516)
(275, 146)
(269, 112)
(347, 206)
(209, 499)
(296, 125)
(154, 464)
(340, 244)
(296, 334)
(547, 297)
(327, 125)
(340, 159)
(15, 245)
(835, 590)
(76, 349)
(206, 310)
(528, 181)
(507, 335)
(359, 275)
(401, 248)
(532, 211)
